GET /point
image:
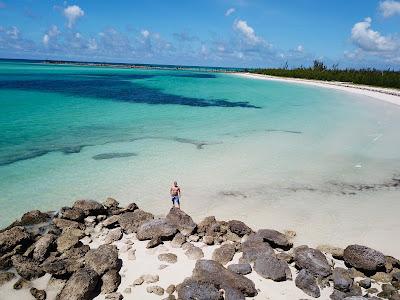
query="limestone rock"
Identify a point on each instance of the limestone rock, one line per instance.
(254, 247)
(81, 285)
(103, 259)
(312, 260)
(224, 254)
(154, 242)
(113, 235)
(68, 239)
(364, 258)
(111, 203)
(365, 283)
(242, 269)
(179, 219)
(89, 207)
(34, 217)
(43, 246)
(208, 240)
(156, 228)
(273, 268)
(275, 238)
(150, 278)
(191, 289)
(336, 252)
(206, 224)
(194, 253)
(178, 240)
(168, 257)
(170, 289)
(111, 221)
(130, 221)
(209, 271)
(155, 289)
(26, 267)
(110, 281)
(38, 294)
(73, 214)
(239, 228)
(6, 277)
(307, 283)
(64, 224)
(114, 296)
(10, 238)
(342, 280)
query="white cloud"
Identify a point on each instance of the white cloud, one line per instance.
(92, 44)
(389, 8)
(369, 40)
(300, 48)
(247, 31)
(229, 11)
(73, 13)
(13, 32)
(145, 33)
(51, 33)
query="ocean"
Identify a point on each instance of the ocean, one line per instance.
(275, 154)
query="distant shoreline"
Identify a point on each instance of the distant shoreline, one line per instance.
(379, 93)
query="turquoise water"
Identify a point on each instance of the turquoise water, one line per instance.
(71, 132)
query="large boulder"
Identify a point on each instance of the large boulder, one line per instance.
(89, 207)
(312, 260)
(64, 224)
(43, 246)
(26, 267)
(34, 217)
(224, 254)
(239, 228)
(131, 221)
(210, 271)
(273, 268)
(179, 219)
(307, 283)
(156, 228)
(191, 289)
(81, 286)
(10, 238)
(73, 214)
(102, 259)
(275, 238)
(364, 258)
(254, 247)
(341, 279)
(205, 225)
(61, 267)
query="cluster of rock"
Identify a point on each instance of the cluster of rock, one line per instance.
(43, 243)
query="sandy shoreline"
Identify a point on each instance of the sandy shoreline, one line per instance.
(383, 94)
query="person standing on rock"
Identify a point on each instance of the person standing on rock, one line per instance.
(175, 193)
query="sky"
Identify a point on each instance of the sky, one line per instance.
(227, 33)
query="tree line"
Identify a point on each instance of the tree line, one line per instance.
(319, 71)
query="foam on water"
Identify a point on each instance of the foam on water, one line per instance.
(321, 162)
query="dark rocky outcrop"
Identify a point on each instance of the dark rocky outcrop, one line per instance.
(156, 228)
(89, 207)
(64, 224)
(82, 285)
(43, 246)
(34, 217)
(273, 268)
(68, 239)
(364, 258)
(275, 238)
(73, 214)
(239, 228)
(26, 267)
(210, 271)
(254, 247)
(312, 260)
(342, 280)
(10, 238)
(242, 269)
(130, 221)
(110, 281)
(103, 259)
(307, 283)
(182, 221)
(224, 254)
(38, 294)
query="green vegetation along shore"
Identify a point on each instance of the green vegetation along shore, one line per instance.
(319, 71)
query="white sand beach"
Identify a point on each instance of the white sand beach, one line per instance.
(380, 93)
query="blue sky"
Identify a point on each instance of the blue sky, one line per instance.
(236, 33)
